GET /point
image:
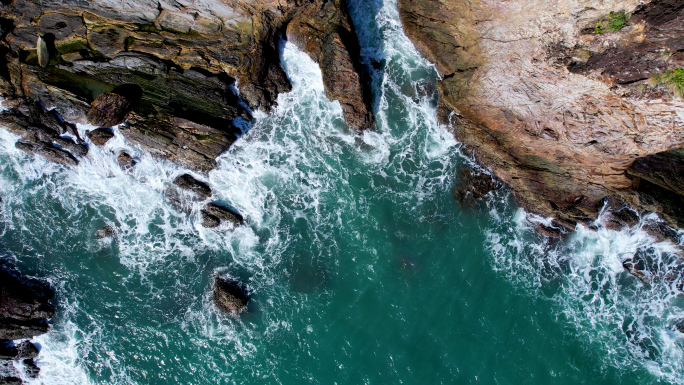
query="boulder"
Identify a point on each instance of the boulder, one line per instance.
(126, 161)
(229, 296)
(225, 214)
(189, 183)
(109, 109)
(100, 136)
(210, 221)
(49, 151)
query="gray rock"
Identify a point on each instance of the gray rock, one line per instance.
(223, 213)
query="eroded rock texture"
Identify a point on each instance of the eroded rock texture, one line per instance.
(169, 69)
(562, 114)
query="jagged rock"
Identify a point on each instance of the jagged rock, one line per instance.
(559, 114)
(126, 161)
(661, 231)
(325, 32)
(209, 221)
(680, 326)
(76, 149)
(229, 296)
(636, 267)
(473, 184)
(169, 74)
(32, 370)
(24, 306)
(223, 213)
(49, 152)
(189, 183)
(106, 231)
(8, 374)
(550, 231)
(100, 136)
(108, 110)
(27, 350)
(624, 217)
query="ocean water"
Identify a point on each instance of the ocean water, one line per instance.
(361, 266)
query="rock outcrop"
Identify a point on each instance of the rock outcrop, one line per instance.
(169, 71)
(24, 310)
(229, 296)
(568, 102)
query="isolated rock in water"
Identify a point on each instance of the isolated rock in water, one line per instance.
(636, 266)
(43, 53)
(100, 136)
(109, 109)
(223, 213)
(24, 306)
(229, 296)
(126, 161)
(210, 221)
(189, 183)
(106, 231)
(680, 326)
(473, 184)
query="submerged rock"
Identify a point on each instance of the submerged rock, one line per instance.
(189, 183)
(126, 161)
(107, 231)
(109, 109)
(100, 136)
(229, 296)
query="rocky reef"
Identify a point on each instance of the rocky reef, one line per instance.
(24, 310)
(568, 102)
(181, 77)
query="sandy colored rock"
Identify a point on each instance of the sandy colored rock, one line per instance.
(548, 104)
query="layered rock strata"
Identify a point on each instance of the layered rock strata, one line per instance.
(170, 71)
(562, 99)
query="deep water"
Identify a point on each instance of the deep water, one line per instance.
(362, 267)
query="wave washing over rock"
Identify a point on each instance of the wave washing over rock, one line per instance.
(292, 247)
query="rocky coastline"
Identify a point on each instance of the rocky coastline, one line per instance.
(24, 313)
(574, 105)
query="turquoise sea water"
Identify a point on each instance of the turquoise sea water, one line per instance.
(361, 266)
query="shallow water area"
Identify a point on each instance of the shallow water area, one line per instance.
(361, 266)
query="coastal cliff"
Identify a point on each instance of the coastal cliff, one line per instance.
(571, 103)
(181, 76)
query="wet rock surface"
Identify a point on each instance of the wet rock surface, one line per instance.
(167, 71)
(100, 136)
(188, 182)
(229, 296)
(24, 310)
(473, 184)
(556, 110)
(222, 213)
(126, 161)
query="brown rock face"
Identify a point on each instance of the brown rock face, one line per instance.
(554, 108)
(325, 32)
(168, 70)
(100, 136)
(109, 109)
